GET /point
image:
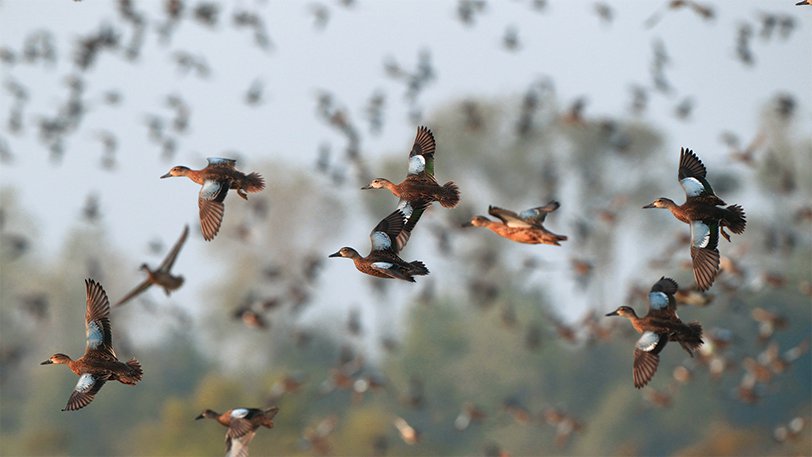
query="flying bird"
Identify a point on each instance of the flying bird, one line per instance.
(525, 227)
(387, 239)
(99, 363)
(242, 425)
(659, 325)
(702, 212)
(216, 179)
(162, 275)
(420, 183)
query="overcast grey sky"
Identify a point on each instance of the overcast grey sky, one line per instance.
(565, 41)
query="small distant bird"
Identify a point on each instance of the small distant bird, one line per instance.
(420, 183)
(99, 363)
(702, 212)
(242, 425)
(659, 325)
(387, 239)
(524, 227)
(216, 179)
(409, 434)
(161, 275)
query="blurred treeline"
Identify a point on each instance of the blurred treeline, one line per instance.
(493, 326)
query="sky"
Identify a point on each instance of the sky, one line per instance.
(565, 41)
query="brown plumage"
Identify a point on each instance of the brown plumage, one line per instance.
(526, 227)
(216, 179)
(703, 212)
(99, 363)
(387, 239)
(659, 325)
(161, 275)
(242, 425)
(419, 184)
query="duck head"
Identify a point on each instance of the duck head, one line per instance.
(377, 183)
(345, 252)
(660, 203)
(477, 221)
(58, 359)
(207, 413)
(623, 311)
(176, 171)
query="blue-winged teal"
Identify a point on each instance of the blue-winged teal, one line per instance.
(658, 326)
(161, 275)
(420, 183)
(99, 364)
(703, 213)
(242, 425)
(387, 239)
(217, 178)
(525, 227)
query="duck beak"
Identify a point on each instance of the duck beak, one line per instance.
(466, 224)
(168, 175)
(337, 254)
(366, 188)
(802, 2)
(47, 362)
(650, 205)
(199, 416)
(613, 313)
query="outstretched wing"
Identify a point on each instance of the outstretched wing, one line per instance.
(97, 321)
(412, 212)
(86, 389)
(537, 215)
(135, 292)
(646, 357)
(421, 157)
(238, 447)
(661, 298)
(508, 217)
(211, 206)
(166, 265)
(704, 252)
(221, 162)
(383, 237)
(691, 177)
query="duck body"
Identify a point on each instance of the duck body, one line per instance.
(657, 327)
(707, 216)
(525, 227)
(216, 179)
(162, 275)
(99, 363)
(242, 424)
(387, 239)
(420, 184)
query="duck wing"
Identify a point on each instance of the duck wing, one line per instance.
(383, 237)
(240, 423)
(412, 211)
(97, 322)
(508, 217)
(210, 202)
(691, 177)
(646, 357)
(705, 252)
(661, 298)
(221, 162)
(537, 215)
(166, 265)
(238, 447)
(421, 157)
(86, 389)
(135, 292)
